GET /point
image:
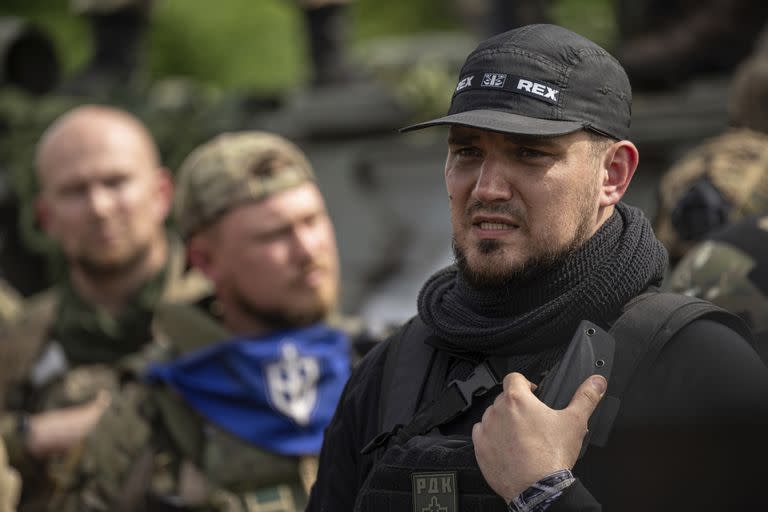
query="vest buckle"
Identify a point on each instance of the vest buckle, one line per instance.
(478, 383)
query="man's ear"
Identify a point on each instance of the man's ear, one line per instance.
(619, 164)
(164, 192)
(200, 255)
(42, 213)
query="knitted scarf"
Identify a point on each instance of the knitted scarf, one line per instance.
(593, 283)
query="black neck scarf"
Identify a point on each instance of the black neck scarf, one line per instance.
(618, 263)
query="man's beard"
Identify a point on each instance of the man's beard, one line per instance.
(281, 318)
(492, 276)
(101, 271)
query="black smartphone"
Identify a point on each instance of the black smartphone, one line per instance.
(589, 352)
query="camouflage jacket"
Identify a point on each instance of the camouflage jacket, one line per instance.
(153, 452)
(24, 347)
(728, 269)
(9, 484)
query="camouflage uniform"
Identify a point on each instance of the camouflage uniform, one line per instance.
(729, 269)
(40, 373)
(9, 483)
(723, 180)
(169, 453)
(151, 450)
(11, 304)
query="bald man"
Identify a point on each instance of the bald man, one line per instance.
(103, 198)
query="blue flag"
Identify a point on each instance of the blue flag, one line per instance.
(278, 392)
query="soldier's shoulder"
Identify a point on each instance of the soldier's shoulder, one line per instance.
(188, 326)
(31, 316)
(729, 269)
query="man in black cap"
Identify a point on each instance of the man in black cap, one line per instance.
(455, 412)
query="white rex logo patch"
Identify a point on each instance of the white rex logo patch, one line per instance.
(465, 82)
(539, 89)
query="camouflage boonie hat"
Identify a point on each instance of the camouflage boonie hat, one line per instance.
(232, 169)
(733, 166)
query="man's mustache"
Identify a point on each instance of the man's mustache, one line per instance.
(507, 209)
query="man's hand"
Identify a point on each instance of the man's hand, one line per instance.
(520, 440)
(56, 431)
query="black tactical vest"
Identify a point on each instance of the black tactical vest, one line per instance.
(436, 473)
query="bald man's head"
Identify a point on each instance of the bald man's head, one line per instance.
(102, 193)
(83, 128)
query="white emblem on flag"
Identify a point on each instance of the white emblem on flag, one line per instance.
(292, 384)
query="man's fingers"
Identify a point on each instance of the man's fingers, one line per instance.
(516, 380)
(588, 395)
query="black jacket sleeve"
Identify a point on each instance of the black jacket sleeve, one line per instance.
(691, 433)
(575, 498)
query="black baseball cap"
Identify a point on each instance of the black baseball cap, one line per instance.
(540, 80)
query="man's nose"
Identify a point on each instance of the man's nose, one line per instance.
(492, 182)
(100, 201)
(306, 241)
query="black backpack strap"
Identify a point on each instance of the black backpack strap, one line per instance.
(407, 355)
(649, 321)
(647, 324)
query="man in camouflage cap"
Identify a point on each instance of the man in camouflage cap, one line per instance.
(233, 419)
(725, 178)
(729, 269)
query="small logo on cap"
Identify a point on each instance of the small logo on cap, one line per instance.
(494, 80)
(465, 82)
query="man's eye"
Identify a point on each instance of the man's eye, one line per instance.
(468, 152)
(73, 191)
(531, 153)
(115, 181)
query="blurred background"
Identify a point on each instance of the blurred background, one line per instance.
(339, 78)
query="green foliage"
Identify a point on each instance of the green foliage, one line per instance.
(594, 19)
(260, 45)
(374, 18)
(230, 43)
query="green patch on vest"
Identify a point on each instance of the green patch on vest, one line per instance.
(434, 492)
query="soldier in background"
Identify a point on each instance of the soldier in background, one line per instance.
(232, 420)
(729, 269)
(326, 23)
(103, 199)
(725, 178)
(118, 28)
